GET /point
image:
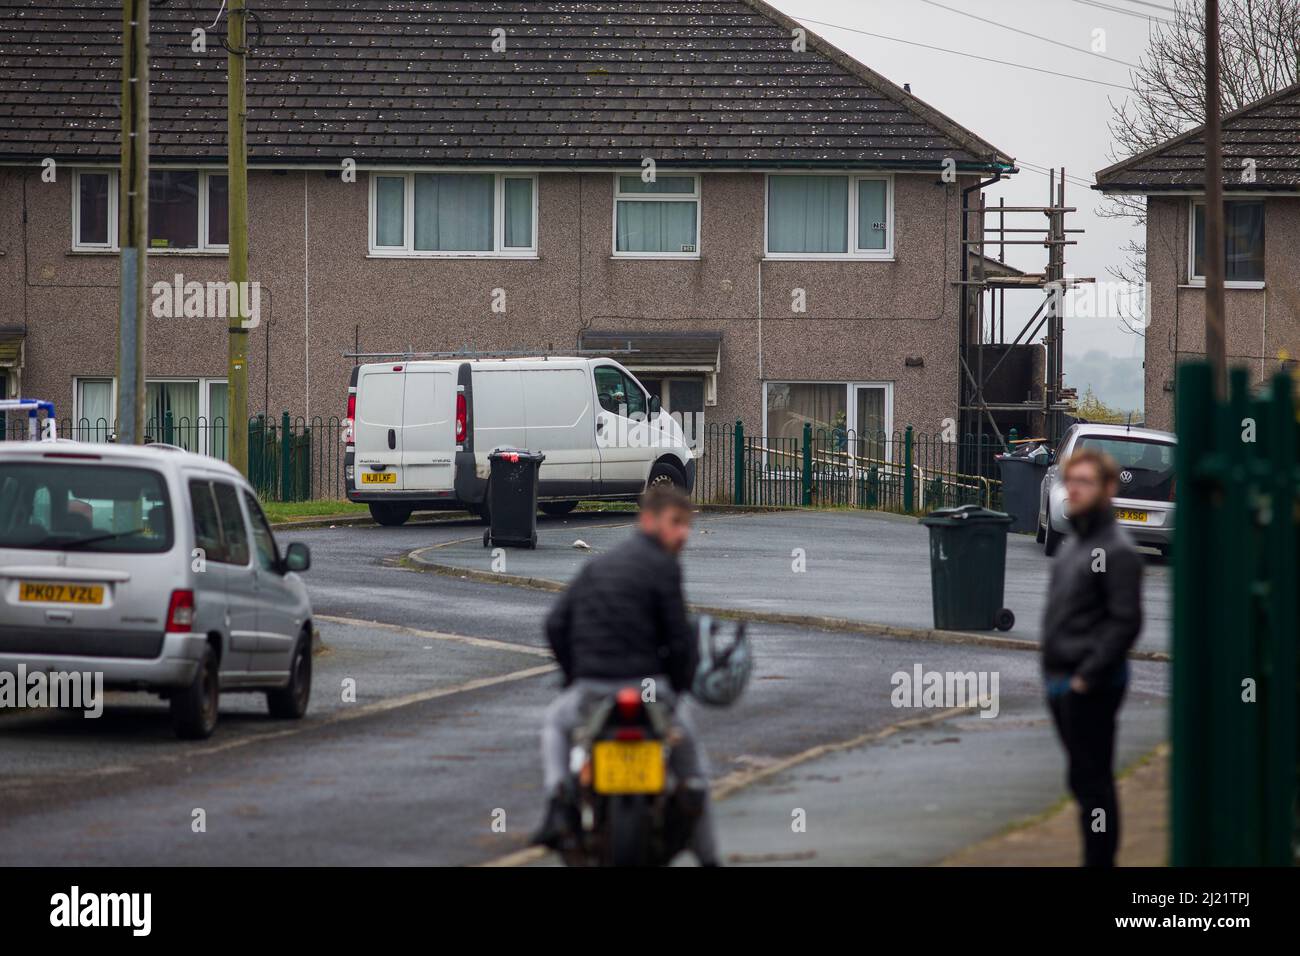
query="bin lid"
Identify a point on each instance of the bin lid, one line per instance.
(516, 454)
(965, 514)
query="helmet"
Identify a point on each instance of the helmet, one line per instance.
(724, 663)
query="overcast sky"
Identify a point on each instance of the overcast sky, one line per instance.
(1039, 118)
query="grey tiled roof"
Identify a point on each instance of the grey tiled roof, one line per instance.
(1267, 131)
(582, 82)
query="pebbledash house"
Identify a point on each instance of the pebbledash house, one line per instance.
(1261, 185)
(760, 227)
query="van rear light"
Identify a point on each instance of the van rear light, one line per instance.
(180, 612)
(462, 417)
(1173, 486)
(352, 406)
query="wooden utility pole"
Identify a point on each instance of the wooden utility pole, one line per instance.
(1215, 248)
(237, 185)
(133, 221)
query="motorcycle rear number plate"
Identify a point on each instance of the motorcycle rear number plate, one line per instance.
(379, 477)
(628, 766)
(1124, 515)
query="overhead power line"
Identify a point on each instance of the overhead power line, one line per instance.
(1026, 33)
(1130, 13)
(972, 56)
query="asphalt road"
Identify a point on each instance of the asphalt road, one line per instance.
(440, 744)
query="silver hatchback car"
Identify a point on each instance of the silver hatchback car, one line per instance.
(1145, 503)
(155, 568)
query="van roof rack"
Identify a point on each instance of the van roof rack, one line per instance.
(490, 353)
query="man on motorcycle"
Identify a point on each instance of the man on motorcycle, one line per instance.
(622, 622)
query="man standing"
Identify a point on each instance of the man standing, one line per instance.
(623, 622)
(1094, 613)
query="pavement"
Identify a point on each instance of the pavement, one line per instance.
(436, 762)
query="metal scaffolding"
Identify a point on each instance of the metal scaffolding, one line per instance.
(983, 289)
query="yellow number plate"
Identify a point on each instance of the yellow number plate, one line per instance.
(379, 477)
(43, 592)
(628, 766)
(1124, 515)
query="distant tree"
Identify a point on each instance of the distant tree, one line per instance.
(1259, 49)
(1092, 409)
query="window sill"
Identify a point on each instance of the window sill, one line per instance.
(792, 257)
(654, 257)
(494, 256)
(1200, 284)
(211, 253)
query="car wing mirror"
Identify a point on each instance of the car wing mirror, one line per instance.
(655, 405)
(297, 557)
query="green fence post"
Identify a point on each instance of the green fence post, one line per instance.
(806, 497)
(168, 435)
(1191, 759)
(909, 493)
(286, 458)
(1281, 481)
(738, 452)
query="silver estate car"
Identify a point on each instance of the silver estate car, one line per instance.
(1145, 503)
(154, 567)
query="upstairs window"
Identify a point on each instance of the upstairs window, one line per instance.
(187, 210)
(1243, 240)
(814, 216)
(453, 214)
(659, 219)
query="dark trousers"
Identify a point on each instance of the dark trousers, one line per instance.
(1086, 725)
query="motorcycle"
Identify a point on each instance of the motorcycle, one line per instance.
(626, 805)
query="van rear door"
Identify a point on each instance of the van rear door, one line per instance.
(428, 433)
(377, 429)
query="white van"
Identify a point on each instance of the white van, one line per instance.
(420, 432)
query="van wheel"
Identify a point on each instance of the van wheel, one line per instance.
(1039, 535)
(557, 508)
(1051, 540)
(665, 474)
(194, 709)
(390, 516)
(290, 702)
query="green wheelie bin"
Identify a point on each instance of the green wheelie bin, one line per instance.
(968, 560)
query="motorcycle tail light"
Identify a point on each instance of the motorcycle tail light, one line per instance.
(629, 733)
(628, 701)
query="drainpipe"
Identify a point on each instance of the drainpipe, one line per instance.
(965, 277)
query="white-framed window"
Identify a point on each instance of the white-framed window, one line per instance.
(682, 397)
(453, 214)
(189, 412)
(187, 210)
(855, 419)
(659, 219)
(1243, 239)
(829, 216)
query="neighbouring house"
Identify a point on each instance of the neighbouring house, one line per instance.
(1261, 182)
(440, 176)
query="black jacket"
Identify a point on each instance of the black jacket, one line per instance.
(1093, 616)
(624, 617)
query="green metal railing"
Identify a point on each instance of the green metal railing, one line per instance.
(903, 471)
(292, 459)
(1235, 759)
